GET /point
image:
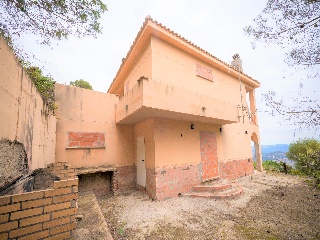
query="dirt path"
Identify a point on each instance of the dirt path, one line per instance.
(272, 207)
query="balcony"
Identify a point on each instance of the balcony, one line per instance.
(153, 99)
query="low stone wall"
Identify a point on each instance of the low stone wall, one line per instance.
(236, 168)
(42, 214)
(172, 180)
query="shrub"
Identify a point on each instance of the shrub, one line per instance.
(81, 84)
(306, 155)
(44, 85)
(273, 166)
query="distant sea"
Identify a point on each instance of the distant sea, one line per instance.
(276, 152)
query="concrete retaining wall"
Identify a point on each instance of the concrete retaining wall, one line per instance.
(25, 118)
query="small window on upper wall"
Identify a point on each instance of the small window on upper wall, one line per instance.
(204, 72)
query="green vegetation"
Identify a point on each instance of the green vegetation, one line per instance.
(48, 20)
(81, 84)
(273, 166)
(44, 85)
(306, 155)
(51, 19)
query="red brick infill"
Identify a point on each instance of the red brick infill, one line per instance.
(125, 178)
(236, 168)
(209, 155)
(86, 140)
(166, 182)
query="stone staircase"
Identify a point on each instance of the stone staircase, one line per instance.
(216, 189)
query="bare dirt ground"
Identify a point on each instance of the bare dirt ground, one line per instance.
(271, 207)
(92, 224)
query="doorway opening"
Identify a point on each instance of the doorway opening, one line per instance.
(141, 163)
(100, 183)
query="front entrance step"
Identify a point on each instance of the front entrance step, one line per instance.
(213, 186)
(218, 189)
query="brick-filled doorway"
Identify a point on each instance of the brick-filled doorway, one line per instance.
(209, 156)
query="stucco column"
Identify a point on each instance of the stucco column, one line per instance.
(257, 149)
(253, 109)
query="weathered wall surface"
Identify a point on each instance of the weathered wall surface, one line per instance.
(87, 134)
(45, 214)
(173, 154)
(24, 116)
(13, 163)
(236, 168)
(173, 180)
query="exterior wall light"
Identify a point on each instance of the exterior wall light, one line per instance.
(221, 129)
(246, 132)
(126, 107)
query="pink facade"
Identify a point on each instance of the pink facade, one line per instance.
(174, 116)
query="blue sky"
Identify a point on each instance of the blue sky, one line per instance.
(216, 26)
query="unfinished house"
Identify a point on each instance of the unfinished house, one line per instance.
(174, 117)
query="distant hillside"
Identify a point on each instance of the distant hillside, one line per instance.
(275, 152)
(274, 148)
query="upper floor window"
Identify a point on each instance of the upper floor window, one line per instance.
(204, 72)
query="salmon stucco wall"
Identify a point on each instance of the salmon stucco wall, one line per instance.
(141, 68)
(90, 113)
(176, 67)
(24, 116)
(176, 143)
(236, 143)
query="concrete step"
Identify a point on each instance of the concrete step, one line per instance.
(233, 192)
(213, 186)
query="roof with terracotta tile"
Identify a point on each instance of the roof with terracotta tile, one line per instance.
(191, 44)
